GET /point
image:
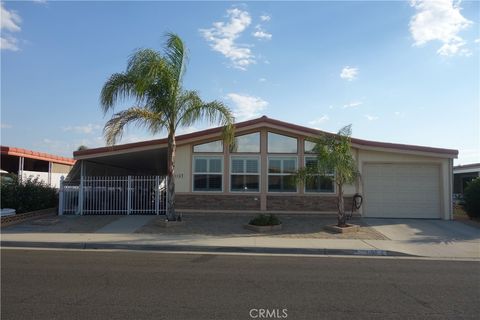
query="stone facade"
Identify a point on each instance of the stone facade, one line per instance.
(217, 202)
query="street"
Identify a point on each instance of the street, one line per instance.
(51, 284)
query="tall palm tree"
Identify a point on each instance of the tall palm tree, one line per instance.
(333, 155)
(154, 82)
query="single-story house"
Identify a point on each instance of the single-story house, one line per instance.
(398, 181)
(26, 164)
(462, 175)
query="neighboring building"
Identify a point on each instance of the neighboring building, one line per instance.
(26, 163)
(463, 175)
(398, 181)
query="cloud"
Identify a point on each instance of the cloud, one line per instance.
(265, 18)
(86, 129)
(477, 40)
(5, 125)
(371, 118)
(246, 106)
(439, 20)
(262, 34)
(9, 23)
(352, 104)
(349, 73)
(262, 80)
(223, 35)
(322, 119)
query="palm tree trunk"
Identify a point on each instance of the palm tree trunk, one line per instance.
(342, 219)
(171, 216)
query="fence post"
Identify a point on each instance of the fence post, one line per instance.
(157, 194)
(129, 193)
(60, 197)
(80, 197)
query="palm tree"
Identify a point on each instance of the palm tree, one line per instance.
(333, 155)
(154, 82)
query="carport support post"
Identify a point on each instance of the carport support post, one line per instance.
(80, 190)
(129, 194)
(157, 194)
(60, 197)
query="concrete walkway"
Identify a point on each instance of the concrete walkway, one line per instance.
(125, 224)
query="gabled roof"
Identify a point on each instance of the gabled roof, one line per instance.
(267, 122)
(13, 151)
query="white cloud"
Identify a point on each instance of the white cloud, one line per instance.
(262, 80)
(86, 129)
(477, 40)
(320, 120)
(352, 104)
(265, 18)
(10, 22)
(349, 73)
(223, 35)
(5, 125)
(246, 107)
(439, 20)
(371, 118)
(262, 34)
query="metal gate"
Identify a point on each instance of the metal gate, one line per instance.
(113, 195)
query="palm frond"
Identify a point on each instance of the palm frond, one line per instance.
(119, 86)
(142, 117)
(176, 56)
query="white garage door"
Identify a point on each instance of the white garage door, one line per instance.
(401, 190)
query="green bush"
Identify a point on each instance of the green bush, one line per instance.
(264, 220)
(471, 197)
(27, 195)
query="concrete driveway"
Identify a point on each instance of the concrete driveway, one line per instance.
(424, 230)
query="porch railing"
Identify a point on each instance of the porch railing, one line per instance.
(113, 195)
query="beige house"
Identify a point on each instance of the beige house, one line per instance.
(398, 181)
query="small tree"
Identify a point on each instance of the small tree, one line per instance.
(334, 155)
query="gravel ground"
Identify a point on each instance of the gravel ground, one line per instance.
(294, 226)
(62, 224)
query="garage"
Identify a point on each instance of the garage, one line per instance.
(402, 190)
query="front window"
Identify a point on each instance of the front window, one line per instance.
(281, 174)
(321, 182)
(214, 146)
(245, 174)
(207, 173)
(247, 143)
(278, 143)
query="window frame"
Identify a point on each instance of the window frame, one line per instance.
(221, 173)
(259, 173)
(285, 135)
(328, 175)
(282, 157)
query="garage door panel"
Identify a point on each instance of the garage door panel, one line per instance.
(402, 190)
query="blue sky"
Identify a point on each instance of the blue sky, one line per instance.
(405, 72)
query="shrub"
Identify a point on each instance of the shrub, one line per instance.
(27, 195)
(264, 220)
(471, 197)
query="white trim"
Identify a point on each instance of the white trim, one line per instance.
(208, 157)
(328, 175)
(259, 173)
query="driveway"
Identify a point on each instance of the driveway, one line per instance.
(425, 230)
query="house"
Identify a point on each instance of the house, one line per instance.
(26, 164)
(398, 181)
(462, 175)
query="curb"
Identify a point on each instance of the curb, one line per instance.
(210, 249)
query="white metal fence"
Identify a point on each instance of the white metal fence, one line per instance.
(113, 195)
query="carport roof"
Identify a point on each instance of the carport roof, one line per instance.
(13, 151)
(267, 122)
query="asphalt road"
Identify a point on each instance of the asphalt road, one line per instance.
(38, 284)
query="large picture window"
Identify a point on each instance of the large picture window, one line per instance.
(319, 183)
(280, 174)
(214, 146)
(247, 143)
(207, 173)
(278, 143)
(245, 174)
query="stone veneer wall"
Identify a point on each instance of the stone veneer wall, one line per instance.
(217, 202)
(305, 203)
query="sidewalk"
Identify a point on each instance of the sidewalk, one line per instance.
(109, 237)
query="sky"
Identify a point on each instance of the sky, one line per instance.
(398, 71)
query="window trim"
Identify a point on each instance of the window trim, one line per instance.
(286, 153)
(221, 173)
(328, 175)
(281, 174)
(259, 174)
